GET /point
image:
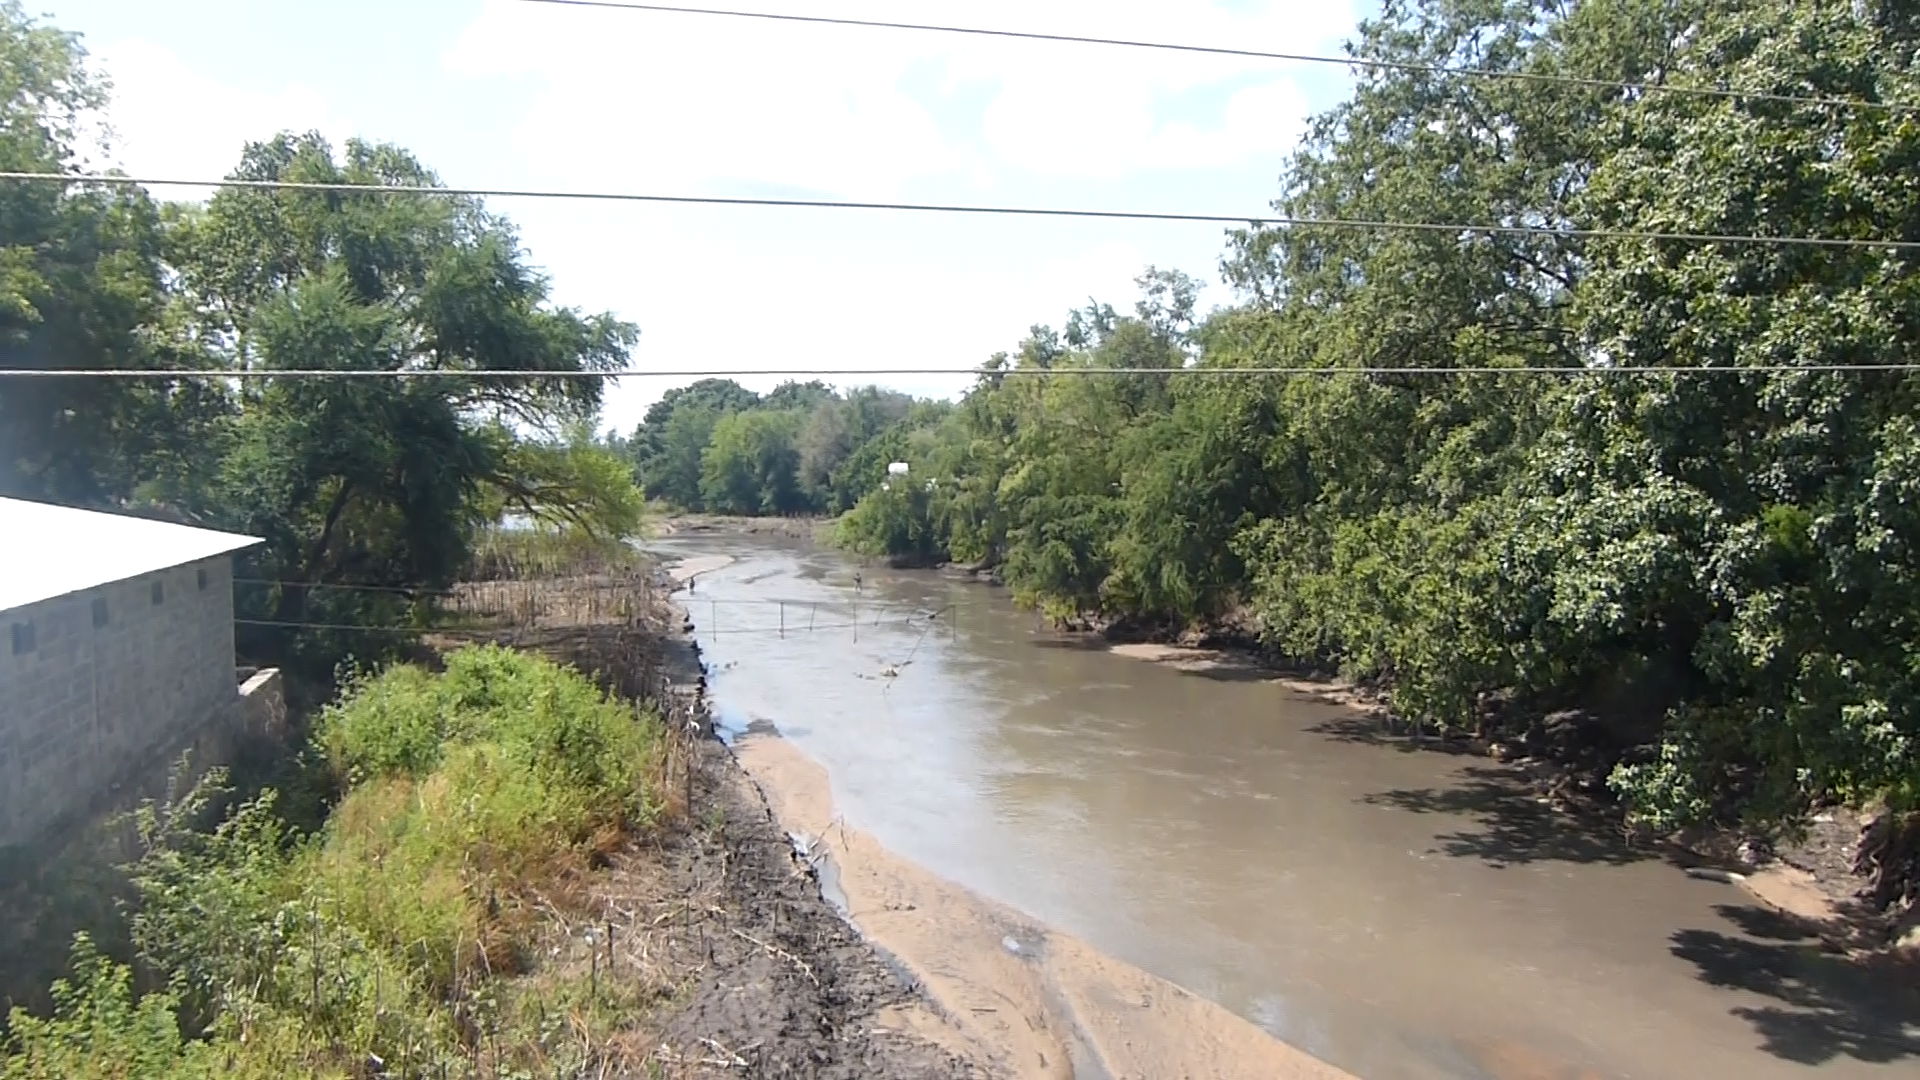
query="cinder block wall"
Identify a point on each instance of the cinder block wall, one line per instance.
(112, 680)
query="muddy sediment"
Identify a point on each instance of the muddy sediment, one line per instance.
(1016, 996)
(777, 983)
(916, 975)
(762, 974)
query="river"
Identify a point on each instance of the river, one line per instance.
(1402, 913)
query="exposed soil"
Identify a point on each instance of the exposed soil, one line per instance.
(760, 974)
(722, 926)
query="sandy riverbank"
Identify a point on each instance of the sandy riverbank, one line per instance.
(687, 569)
(1015, 996)
(1002, 993)
(796, 528)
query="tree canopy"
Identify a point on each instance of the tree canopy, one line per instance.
(374, 482)
(1721, 568)
(1728, 561)
(804, 448)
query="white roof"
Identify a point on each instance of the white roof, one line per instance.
(48, 551)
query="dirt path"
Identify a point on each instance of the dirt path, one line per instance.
(1023, 1000)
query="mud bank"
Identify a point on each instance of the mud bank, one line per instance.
(770, 979)
(762, 974)
(688, 569)
(1008, 993)
(796, 528)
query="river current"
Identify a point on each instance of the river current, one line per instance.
(1403, 913)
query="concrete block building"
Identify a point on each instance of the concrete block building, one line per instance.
(116, 650)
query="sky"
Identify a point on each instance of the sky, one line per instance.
(509, 94)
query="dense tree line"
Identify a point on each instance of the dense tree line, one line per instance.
(1728, 563)
(1729, 558)
(801, 449)
(364, 481)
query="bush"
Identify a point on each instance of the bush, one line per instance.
(100, 1029)
(303, 955)
(544, 717)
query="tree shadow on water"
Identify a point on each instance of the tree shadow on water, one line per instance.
(1829, 1006)
(1373, 731)
(1510, 826)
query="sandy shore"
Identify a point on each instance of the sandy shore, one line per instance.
(1015, 996)
(1002, 993)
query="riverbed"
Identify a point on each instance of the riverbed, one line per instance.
(1397, 912)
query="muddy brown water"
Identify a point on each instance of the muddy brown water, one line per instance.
(1400, 913)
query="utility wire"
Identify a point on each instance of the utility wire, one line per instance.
(1451, 228)
(989, 373)
(1258, 54)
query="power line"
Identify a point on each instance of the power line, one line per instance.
(1259, 54)
(1026, 372)
(1287, 221)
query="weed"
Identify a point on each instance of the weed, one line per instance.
(473, 798)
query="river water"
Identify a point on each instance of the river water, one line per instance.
(1401, 913)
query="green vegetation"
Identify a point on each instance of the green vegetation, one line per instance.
(1723, 569)
(1728, 563)
(369, 482)
(405, 929)
(802, 449)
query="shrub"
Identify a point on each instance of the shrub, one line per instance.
(292, 954)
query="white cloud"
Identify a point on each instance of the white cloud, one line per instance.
(616, 100)
(717, 289)
(677, 99)
(1108, 111)
(675, 102)
(169, 120)
(1109, 129)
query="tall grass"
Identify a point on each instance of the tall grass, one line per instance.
(475, 799)
(538, 551)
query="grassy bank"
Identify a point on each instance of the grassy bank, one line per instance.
(416, 932)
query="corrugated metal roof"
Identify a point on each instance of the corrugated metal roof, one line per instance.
(48, 551)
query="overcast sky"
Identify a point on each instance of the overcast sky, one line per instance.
(499, 93)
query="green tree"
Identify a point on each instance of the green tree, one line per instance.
(667, 444)
(792, 396)
(377, 481)
(836, 430)
(748, 467)
(81, 286)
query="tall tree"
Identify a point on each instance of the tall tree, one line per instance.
(669, 440)
(81, 286)
(748, 467)
(377, 480)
